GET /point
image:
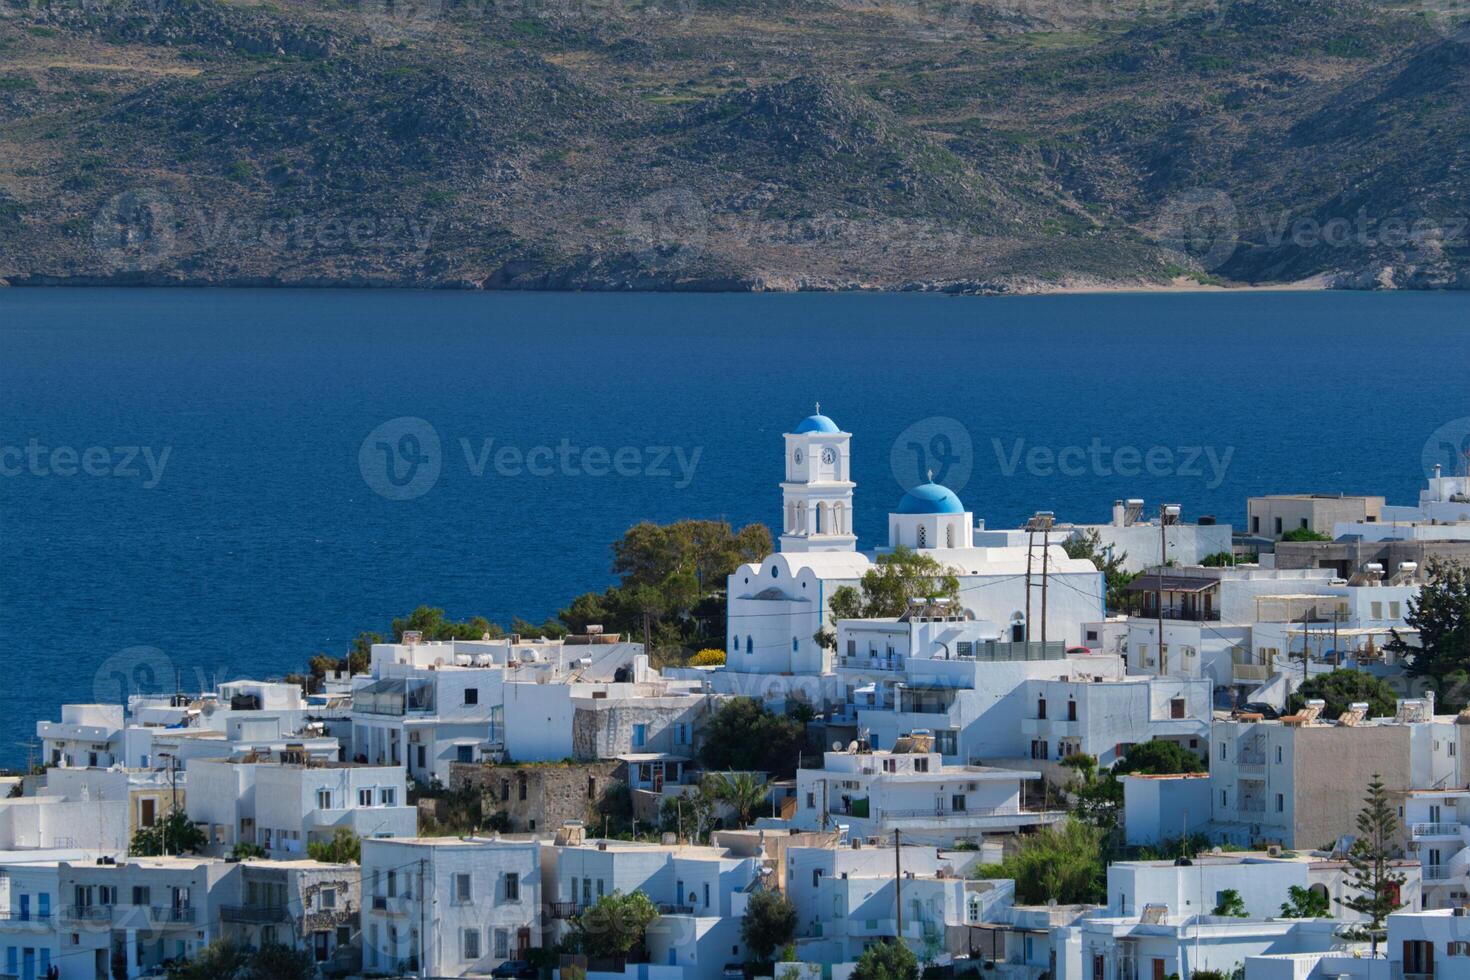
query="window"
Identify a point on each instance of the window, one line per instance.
(1418, 957)
(502, 943)
(921, 764)
(1176, 708)
(1224, 751)
(1280, 803)
(512, 886)
(471, 695)
(1038, 748)
(640, 735)
(522, 782)
(706, 894)
(1393, 610)
(365, 797)
(749, 645)
(461, 889)
(811, 801)
(1377, 610)
(816, 877)
(1279, 755)
(327, 898)
(852, 647)
(795, 645)
(323, 799)
(1224, 797)
(471, 945)
(388, 796)
(957, 802)
(462, 753)
(1071, 710)
(681, 733)
(1255, 524)
(1041, 708)
(923, 536)
(1278, 525)
(141, 896)
(505, 790)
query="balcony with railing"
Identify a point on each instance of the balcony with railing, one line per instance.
(567, 910)
(1436, 872)
(172, 914)
(87, 913)
(253, 914)
(25, 918)
(1437, 829)
(871, 661)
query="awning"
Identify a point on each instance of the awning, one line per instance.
(1172, 583)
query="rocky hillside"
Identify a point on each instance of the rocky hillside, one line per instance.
(1006, 145)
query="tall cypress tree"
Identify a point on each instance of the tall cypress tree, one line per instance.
(1371, 857)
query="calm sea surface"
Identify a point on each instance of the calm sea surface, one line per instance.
(232, 480)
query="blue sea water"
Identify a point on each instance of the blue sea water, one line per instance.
(302, 496)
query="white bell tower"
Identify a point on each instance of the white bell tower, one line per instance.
(816, 495)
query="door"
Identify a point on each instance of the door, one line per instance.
(147, 812)
(320, 941)
(1159, 973)
(523, 942)
(25, 908)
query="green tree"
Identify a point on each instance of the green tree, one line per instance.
(614, 927)
(1220, 559)
(345, 847)
(744, 792)
(690, 815)
(1097, 794)
(769, 924)
(276, 961)
(1340, 688)
(902, 575)
(1303, 903)
(745, 735)
(1305, 534)
(220, 960)
(431, 623)
(1158, 757)
(174, 834)
(245, 850)
(1062, 862)
(1115, 578)
(887, 961)
(1371, 858)
(1441, 614)
(1229, 902)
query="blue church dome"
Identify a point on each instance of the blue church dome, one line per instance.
(930, 498)
(817, 423)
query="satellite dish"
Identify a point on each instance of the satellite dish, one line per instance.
(852, 746)
(837, 745)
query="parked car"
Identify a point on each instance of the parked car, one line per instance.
(1258, 708)
(514, 970)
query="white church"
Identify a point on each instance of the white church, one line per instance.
(778, 605)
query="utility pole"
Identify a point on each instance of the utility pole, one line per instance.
(1168, 514)
(1045, 568)
(1041, 521)
(1030, 539)
(898, 883)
